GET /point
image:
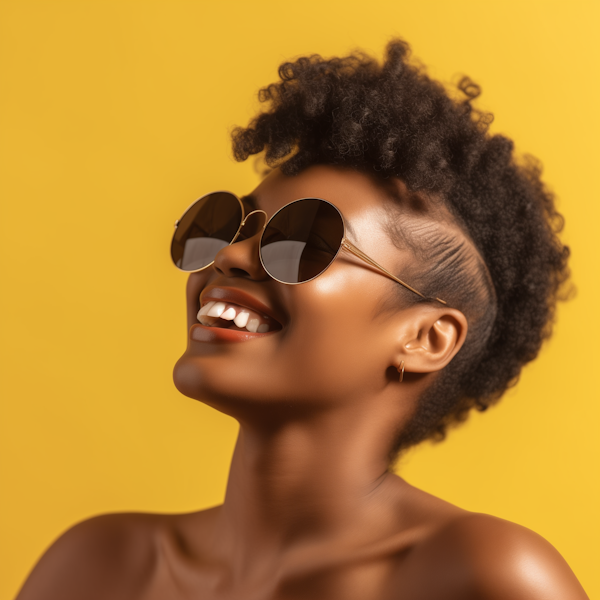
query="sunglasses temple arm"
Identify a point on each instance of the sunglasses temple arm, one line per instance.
(360, 254)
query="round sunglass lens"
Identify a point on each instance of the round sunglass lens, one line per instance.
(301, 240)
(208, 225)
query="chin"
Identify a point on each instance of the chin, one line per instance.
(215, 386)
(187, 378)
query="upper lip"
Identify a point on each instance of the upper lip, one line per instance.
(239, 297)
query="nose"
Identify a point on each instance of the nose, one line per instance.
(242, 259)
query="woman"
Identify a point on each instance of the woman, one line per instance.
(394, 270)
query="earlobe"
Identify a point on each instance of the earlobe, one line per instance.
(431, 339)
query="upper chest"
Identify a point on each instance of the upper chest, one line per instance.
(401, 573)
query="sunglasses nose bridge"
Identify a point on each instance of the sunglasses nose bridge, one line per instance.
(255, 227)
(253, 213)
(241, 257)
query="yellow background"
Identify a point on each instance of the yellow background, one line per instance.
(114, 116)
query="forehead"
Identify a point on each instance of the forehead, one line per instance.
(378, 213)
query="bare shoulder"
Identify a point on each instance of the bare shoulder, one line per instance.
(108, 556)
(491, 559)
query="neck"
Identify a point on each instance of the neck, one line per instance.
(308, 480)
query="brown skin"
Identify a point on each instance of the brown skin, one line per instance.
(311, 509)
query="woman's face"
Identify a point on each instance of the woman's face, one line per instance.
(335, 345)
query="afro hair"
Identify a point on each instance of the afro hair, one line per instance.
(392, 120)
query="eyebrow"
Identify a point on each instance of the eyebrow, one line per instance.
(251, 201)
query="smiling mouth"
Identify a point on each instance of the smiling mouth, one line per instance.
(227, 315)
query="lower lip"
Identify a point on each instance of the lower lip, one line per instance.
(200, 333)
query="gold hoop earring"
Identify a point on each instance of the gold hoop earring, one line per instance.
(401, 371)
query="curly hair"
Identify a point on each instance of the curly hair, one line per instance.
(390, 119)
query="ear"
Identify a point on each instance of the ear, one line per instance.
(430, 337)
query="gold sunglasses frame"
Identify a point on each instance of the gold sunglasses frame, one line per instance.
(345, 244)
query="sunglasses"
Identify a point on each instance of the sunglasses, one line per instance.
(297, 244)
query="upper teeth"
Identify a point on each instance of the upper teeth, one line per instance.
(242, 317)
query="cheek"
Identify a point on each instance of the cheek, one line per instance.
(333, 344)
